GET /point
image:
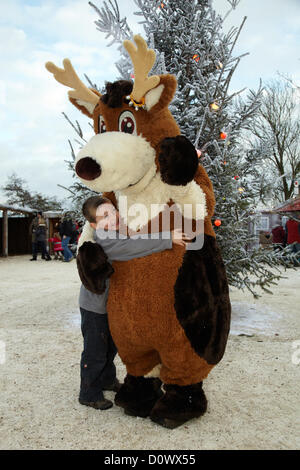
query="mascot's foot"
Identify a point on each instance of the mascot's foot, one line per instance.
(179, 405)
(138, 395)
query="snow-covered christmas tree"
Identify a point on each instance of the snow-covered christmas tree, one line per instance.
(188, 38)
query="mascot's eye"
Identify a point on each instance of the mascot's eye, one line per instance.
(127, 123)
(101, 125)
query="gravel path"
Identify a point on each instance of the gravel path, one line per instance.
(253, 393)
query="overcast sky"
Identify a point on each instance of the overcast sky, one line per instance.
(33, 132)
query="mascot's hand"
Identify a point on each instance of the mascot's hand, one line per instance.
(93, 267)
(178, 160)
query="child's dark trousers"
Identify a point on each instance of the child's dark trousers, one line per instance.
(97, 369)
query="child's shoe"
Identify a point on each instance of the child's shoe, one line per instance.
(98, 405)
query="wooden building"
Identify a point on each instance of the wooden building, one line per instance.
(16, 228)
(266, 219)
(15, 237)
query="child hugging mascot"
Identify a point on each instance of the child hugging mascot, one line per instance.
(169, 313)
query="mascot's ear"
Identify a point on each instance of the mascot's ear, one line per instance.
(160, 96)
(81, 96)
(84, 106)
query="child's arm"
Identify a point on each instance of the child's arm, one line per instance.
(129, 248)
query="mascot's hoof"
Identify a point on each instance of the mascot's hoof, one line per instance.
(179, 405)
(178, 161)
(138, 395)
(168, 423)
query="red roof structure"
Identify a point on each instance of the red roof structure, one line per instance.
(290, 205)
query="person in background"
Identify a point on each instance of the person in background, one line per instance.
(293, 237)
(278, 235)
(57, 248)
(79, 227)
(40, 228)
(32, 230)
(66, 231)
(74, 235)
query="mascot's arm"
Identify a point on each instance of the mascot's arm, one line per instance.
(178, 161)
(87, 235)
(188, 181)
(93, 267)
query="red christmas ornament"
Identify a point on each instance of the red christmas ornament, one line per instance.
(236, 177)
(223, 135)
(217, 222)
(132, 75)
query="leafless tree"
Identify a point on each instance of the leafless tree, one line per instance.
(276, 130)
(16, 192)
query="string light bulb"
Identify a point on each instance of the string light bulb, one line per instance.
(214, 106)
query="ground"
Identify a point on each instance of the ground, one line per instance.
(253, 393)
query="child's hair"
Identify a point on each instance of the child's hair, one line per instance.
(89, 207)
(56, 235)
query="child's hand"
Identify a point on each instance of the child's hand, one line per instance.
(178, 237)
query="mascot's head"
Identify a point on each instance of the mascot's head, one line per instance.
(130, 121)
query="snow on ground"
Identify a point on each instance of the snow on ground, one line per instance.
(252, 393)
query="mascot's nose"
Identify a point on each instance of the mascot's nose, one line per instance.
(88, 169)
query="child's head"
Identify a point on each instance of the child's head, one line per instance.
(101, 213)
(56, 235)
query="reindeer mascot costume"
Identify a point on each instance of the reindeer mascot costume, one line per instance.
(169, 313)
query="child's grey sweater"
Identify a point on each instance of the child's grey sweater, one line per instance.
(120, 249)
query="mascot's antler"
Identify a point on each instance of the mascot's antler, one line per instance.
(142, 59)
(67, 76)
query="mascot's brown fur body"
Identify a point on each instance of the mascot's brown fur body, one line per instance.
(144, 341)
(147, 285)
(168, 312)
